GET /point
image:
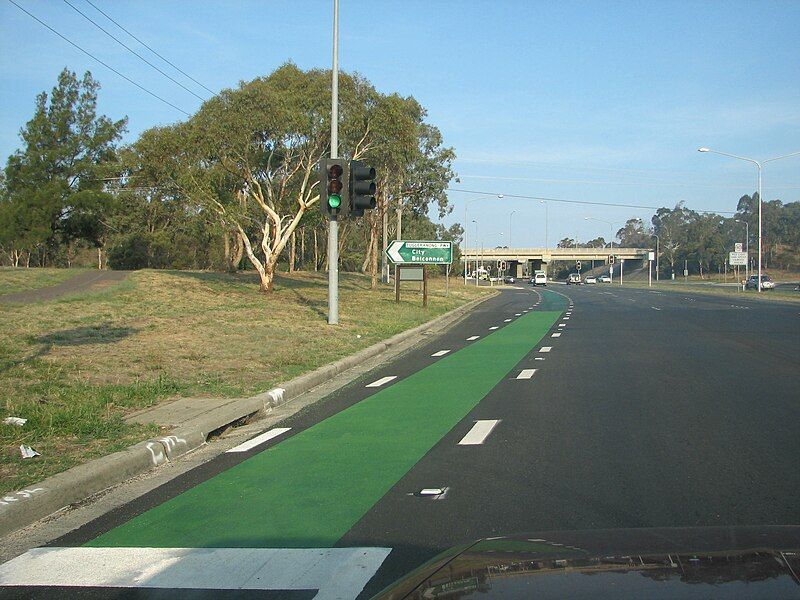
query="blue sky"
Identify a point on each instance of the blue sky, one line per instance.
(593, 101)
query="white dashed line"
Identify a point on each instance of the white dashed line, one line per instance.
(545, 349)
(493, 328)
(259, 439)
(654, 308)
(479, 432)
(517, 314)
(440, 353)
(562, 324)
(507, 321)
(556, 335)
(526, 373)
(473, 337)
(381, 381)
(565, 319)
(538, 358)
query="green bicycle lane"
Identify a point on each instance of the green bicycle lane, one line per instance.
(309, 490)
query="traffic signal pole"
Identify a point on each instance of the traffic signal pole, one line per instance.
(333, 224)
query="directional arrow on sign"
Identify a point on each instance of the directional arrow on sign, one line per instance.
(417, 252)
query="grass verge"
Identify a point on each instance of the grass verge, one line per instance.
(75, 366)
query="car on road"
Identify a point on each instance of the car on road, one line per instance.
(604, 279)
(766, 282)
(590, 279)
(574, 278)
(509, 279)
(539, 278)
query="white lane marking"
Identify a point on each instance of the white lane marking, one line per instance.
(473, 337)
(440, 353)
(335, 572)
(526, 373)
(654, 308)
(517, 314)
(545, 349)
(381, 381)
(556, 335)
(479, 432)
(538, 358)
(507, 321)
(562, 324)
(493, 328)
(565, 318)
(259, 439)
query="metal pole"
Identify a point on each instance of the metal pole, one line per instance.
(509, 229)
(759, 225)
(611, 266)
(649, 273)
(333, 231)
(466, 262)
(747, 249)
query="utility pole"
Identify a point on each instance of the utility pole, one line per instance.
(333, 231)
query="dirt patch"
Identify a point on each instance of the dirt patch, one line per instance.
(85, 282)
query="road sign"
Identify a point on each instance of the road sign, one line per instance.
(406, 252)
(737, 247)
(737, 258)
(651, 256)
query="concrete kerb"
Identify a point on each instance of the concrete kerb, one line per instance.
(55, 493)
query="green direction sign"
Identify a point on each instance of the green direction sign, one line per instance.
(407, 252)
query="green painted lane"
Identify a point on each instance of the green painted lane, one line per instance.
(309, 490)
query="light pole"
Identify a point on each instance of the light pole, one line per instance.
(466, 203)
(746, 245)
(658, 244)
(477, 275)
(546, 239)
(610, 266)
(759, 167)
(511, 214)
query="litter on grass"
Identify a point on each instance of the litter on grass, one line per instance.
(19, 422)
(27, 451)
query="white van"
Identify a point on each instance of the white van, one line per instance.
(539, 278)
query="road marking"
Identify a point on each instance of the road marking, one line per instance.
(479, 432)
(538, 358)
(526, 373)
(517, 314)
(565, 319)
(654, 308)
(545, 349)
(556, 335)
(492, 328)
(473, 337)
(335, 572)
(507, 321)
(381, 381)
(440, 353)
(259, 439)
(562, 324)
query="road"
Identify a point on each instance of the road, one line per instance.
(571, 408)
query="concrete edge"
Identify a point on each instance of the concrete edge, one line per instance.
(19, 509)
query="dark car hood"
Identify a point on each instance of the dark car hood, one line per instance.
(712, 562)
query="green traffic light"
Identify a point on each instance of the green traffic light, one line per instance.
(334, 201)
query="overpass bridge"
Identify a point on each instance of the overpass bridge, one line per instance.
(526, 260)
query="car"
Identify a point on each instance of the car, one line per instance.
(766, 282)
(509, 279)
(590, 279)
(539, 278)
(574, 278)
(604, 279)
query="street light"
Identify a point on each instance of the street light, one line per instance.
(746, 245)
(610, 224)
(476, 252)
(758, 166)
(658, 244)
(466, 203)
(509, 228)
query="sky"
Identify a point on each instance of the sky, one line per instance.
(603, 102)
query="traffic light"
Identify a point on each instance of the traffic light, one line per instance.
(611, 259)
(333, 196)
(362, 188)
(578, 265)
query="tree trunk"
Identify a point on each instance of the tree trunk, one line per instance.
(316, 251)
(302, 247)
(292, 255)
(99, 258)
(374, 245)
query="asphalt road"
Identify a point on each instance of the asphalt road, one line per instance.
(651, 409)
